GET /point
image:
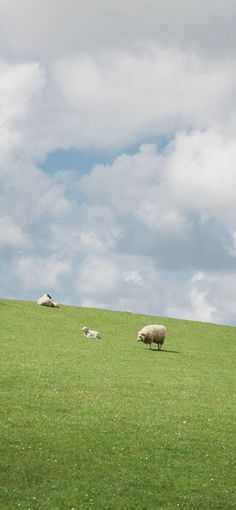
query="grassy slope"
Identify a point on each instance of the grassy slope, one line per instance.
(110, 424)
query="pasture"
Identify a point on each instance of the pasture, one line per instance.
(109, 424)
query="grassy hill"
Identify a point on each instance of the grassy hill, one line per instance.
(110, 424)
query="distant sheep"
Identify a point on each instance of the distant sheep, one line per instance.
(89, 333)
(46, 300)
(155, 333)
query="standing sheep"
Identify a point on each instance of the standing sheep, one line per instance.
(155, 333)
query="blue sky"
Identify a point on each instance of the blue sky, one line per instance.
(71, 159)
(84, 160)
(117, 155)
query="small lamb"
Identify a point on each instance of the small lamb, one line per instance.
(89, 333)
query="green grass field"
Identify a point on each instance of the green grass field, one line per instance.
(111, 424)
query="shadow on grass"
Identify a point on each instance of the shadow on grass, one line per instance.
(163, 350)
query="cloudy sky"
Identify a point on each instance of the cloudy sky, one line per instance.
(118, 155)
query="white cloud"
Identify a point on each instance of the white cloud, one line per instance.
(120, 282)
(19, 85)
(53, 202)
(98, 277)
(172, 222)
(208, 297)
(201, 173)
(162, 192)
(199, 306)
(119, 96)
(113, 98)
(232, 246)
(45, 28)
(41, 272)
(11, 235)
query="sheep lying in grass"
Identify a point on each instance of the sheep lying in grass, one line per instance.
(89, 333)
(155, 333)
(46, 300)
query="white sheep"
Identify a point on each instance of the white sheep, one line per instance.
(46, 300)
(91, 333)
(155, 333)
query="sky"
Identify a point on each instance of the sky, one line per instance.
(118, 155)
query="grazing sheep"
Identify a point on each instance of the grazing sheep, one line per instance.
(46, 300)
(89, 333)
(155, 333)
